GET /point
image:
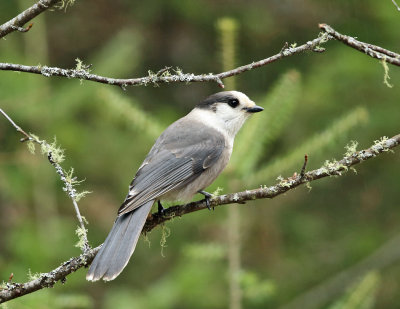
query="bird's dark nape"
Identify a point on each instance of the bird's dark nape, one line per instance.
(119, 245)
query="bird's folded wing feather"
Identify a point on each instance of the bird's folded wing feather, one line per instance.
(179, 155)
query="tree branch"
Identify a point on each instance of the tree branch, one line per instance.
(16, 24)
(55, 157)
(164, 76)
(396, 5)
(366, 48)
(336, 168)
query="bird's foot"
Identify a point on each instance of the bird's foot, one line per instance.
(161, 209)
(207, 197)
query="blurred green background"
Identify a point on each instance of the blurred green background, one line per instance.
(335, 246)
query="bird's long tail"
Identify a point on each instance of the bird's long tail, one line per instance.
(119, 245)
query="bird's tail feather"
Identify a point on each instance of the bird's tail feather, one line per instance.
(119, 245)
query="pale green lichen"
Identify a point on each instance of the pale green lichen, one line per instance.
(166, 73)
(386, 76)
(33, 276)
(165, 233)
(217, 191)
(324, 36)
(81, 233)
(81, 69)
(284, 182)
(308, 186)
(70, 178)
(35, 138)
(380, 145)
(84, 220)
(31, 147)
(334, 167)
(352, 168)
(80, 195)
(73, 182)
(178, 71)
(151, 74)
(280, 178)
(351, 148)
(64, 4)
(57, 154)
(146, 239)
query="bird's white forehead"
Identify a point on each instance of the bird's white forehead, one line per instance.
(244, 99)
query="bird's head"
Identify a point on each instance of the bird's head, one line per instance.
(229, 109)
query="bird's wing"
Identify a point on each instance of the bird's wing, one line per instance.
(180, 154)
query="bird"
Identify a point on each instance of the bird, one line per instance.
(185, 159)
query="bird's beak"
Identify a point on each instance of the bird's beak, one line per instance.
(254, 109)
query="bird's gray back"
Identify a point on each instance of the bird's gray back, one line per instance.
(181, 154)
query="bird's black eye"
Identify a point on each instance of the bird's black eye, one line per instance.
(233, 103)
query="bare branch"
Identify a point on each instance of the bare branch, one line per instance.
(397, 6)
(27, 136)
(65, 178)
(17, 23)
(165, 76)
(15, 290)
(368, 49)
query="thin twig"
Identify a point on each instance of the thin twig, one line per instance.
(17, 23)
(366, 48)
(27, 136)
(15, 290)
(68, 186)
(397, 6)
(165, 76)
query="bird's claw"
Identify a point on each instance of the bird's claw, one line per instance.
(208, 203)
(207, 197)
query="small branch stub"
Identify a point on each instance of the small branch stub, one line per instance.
(303, 169)
(21, 29)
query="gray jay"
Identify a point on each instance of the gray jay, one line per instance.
(186, 158)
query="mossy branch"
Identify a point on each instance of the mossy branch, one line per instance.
(371, 50)
(166, 75)
(55, 155)
(11, 290)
